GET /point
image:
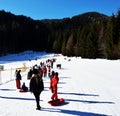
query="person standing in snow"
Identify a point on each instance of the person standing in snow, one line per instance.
(44, 71)
(54, 83)
(29, 75)
(36, 87)
(51, 76)
(18, 78)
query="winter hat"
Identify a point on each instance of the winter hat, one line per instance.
(56, 73)
(35, 71)
(53, 72)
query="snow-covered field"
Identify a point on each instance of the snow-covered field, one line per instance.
(89, 87)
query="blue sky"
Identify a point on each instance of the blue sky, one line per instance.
(58, 9)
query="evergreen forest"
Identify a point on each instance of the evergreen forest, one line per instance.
(89, 35)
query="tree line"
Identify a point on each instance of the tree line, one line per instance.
(89, 35)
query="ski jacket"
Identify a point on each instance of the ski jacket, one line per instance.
(18, 76)
(45, 69)
(54, 81)
(36, 84)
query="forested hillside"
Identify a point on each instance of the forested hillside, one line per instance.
(89, 35)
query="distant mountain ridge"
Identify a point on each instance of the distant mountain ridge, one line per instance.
(88, 16)
(91, 16)
(95, 16)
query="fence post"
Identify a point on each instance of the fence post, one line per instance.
(11, 74)
(0, 78)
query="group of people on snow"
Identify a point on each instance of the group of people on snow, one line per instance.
(18, 79)
(36, 84)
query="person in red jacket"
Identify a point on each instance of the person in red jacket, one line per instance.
(51, 76)
(54, 82)
(44, 71)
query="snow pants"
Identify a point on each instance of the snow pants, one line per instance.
(18, 84)
(37, 98)
(54, 95)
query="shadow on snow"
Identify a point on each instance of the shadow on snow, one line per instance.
(73, 112)
(81, 94)
(85, 101)
(17, 98)
(90, 102)
(8, 89)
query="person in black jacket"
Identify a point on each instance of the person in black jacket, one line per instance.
(36, 87)
(18, 78)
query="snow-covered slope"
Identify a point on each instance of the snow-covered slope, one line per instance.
(90, 88)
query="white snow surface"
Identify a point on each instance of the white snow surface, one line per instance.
(90, 87)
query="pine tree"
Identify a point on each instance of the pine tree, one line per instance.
(76, 47)
(112, 38)
(70, 46)
(58, 42)
(91, 42)
(118, 31)
(109, 37)
(82, 42)
(63, 48)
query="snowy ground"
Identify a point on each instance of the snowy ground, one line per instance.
(90, 88)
